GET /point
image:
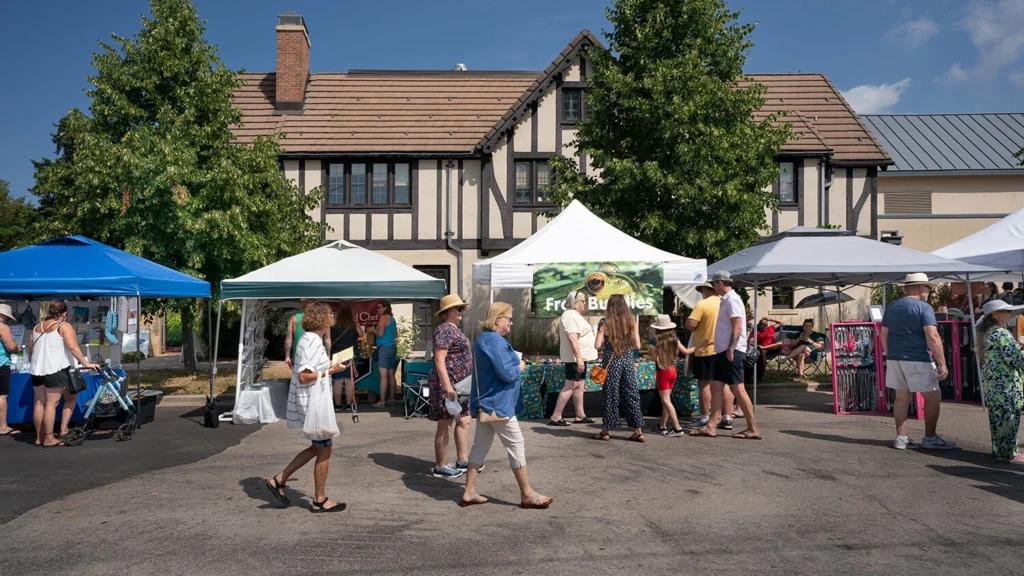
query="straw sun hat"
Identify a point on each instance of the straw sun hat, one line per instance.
(5, 310)
(448, 302)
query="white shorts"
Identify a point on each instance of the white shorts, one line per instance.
(913, 376)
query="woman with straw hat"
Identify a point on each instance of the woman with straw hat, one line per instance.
(453, 362)
(1002, 375)
(7, 347)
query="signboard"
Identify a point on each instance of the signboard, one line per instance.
(363, 311)
(640, 283)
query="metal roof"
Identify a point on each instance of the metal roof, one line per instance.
(950, 143)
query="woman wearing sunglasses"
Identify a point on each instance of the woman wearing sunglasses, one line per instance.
(453, 362)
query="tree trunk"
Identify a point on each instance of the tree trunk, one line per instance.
(188, 351)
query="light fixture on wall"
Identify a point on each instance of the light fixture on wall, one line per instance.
(892, 237)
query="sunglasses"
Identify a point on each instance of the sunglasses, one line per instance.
(460, 308)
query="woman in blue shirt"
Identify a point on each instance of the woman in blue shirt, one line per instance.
(494, 400)
(387, 353)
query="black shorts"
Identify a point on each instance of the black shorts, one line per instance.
(573, 373)
(5, 380)
(52, 381)
(703, 368)
(729, 372)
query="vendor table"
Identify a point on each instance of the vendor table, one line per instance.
(684, 395)
(21, 400)
(263, 403)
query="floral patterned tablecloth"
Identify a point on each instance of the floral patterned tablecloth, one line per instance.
(552, 376)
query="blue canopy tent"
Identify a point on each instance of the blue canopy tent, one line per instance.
(75, 266)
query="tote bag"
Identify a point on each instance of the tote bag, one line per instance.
(320, 423)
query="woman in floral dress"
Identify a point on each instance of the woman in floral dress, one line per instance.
(453, 361)
(1002, 373)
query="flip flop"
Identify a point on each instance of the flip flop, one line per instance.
(52, 445)
(586, 420)
(537, 504)
(318, 507)
(275, 490)
(745, 435)
(703, 432)
(602, 436)
(474, 502)
(11, 432)
(560, 422)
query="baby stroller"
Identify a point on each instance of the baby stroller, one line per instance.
(107, 404)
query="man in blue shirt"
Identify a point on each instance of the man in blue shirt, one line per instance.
(909, 332)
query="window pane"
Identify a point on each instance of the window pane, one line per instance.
(380, 183)
(571, 105)
(786, 191)
(359, 183)
(336, 184)
(543, 181)
(523, 182)
(401, 184)
(782, 297)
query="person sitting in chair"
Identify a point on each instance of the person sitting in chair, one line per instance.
(806, 342)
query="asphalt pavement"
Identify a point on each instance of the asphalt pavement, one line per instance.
(821, 494)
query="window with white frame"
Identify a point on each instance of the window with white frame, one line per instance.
(366, 184)
(533, 182)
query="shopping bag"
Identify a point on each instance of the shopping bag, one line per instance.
(320, 423)
(464, 387)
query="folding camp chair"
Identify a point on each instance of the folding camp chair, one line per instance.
(818, 362)
(417, 394)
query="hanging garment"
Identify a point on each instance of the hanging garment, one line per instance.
(111, 326)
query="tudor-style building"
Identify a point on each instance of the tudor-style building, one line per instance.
(440, 169)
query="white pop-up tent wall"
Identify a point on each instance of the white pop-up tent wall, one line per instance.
(577, 235)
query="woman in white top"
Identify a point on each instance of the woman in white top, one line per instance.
(311, 363)
(52, 348)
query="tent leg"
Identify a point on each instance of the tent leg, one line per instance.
(492, 295)
(839, 296)
(213, 352)
(885, 295)
(138, 359)
(755, 348)
(241, 349)
(977, 364)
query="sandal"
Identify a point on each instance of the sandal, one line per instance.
(537, 504)
(584, 420)
(603, 436)
(11, 432)
(473, 502)
(637, 438)
(560, 422)
(276, 488)
(703, 432)
(747, 435)
(318, 507)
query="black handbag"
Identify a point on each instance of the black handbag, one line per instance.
(76, 382)
(751, 359)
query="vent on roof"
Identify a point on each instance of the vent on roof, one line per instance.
(908, 203)
(460, 67)
(291, 18)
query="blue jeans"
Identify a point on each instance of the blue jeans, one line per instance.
(323, 443)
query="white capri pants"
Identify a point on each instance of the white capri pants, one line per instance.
(511, 438)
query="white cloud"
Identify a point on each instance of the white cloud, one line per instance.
(873, 99)
(1017, 78)
(914, 33)
(955, 75)
(996, 28)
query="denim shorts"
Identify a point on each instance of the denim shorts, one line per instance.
(387, 357)
(323, 443)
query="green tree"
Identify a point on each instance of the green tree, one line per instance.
(16, 219)
(674, 129)
(153, 167)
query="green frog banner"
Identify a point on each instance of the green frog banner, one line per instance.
(640, 283)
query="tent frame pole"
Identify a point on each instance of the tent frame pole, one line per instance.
(213, 357)
(756, 364)
(241, 350)
(138, 358)
(977, 364)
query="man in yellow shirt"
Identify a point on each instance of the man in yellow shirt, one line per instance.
(702, 323)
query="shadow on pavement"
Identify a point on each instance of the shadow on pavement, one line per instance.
(585, 431)
(256, 489)
(993, 477)
(416, 476)
(835, 438)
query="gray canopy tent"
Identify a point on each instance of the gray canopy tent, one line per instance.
(813, 257)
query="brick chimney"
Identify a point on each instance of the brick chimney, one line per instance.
(292, 62)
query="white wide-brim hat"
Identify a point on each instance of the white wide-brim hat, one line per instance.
(663, 322)
(917, 279)
(994, 306)
(5, 310)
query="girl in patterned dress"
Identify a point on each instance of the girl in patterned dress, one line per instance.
(620, 387)
(1002, 375)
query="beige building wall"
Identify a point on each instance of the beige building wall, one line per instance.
(864, 217)
(953, 200)
(547, 117)
(837, 199)
(470, 200)
(426, 200)
(809, 192)
(500, 165)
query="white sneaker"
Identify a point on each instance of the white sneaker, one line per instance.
(901, 443)
(937, 443)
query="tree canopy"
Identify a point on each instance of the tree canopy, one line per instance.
(671, 126)
(153, 167)
(16, 220)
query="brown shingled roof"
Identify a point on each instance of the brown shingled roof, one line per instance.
(376, 112)
(814, 99)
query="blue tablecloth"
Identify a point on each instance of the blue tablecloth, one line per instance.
(21, 400)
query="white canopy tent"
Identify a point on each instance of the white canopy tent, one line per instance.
(1000, 245)
(577, 235)
(339, 270)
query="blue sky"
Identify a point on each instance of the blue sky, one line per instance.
(911, 56)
